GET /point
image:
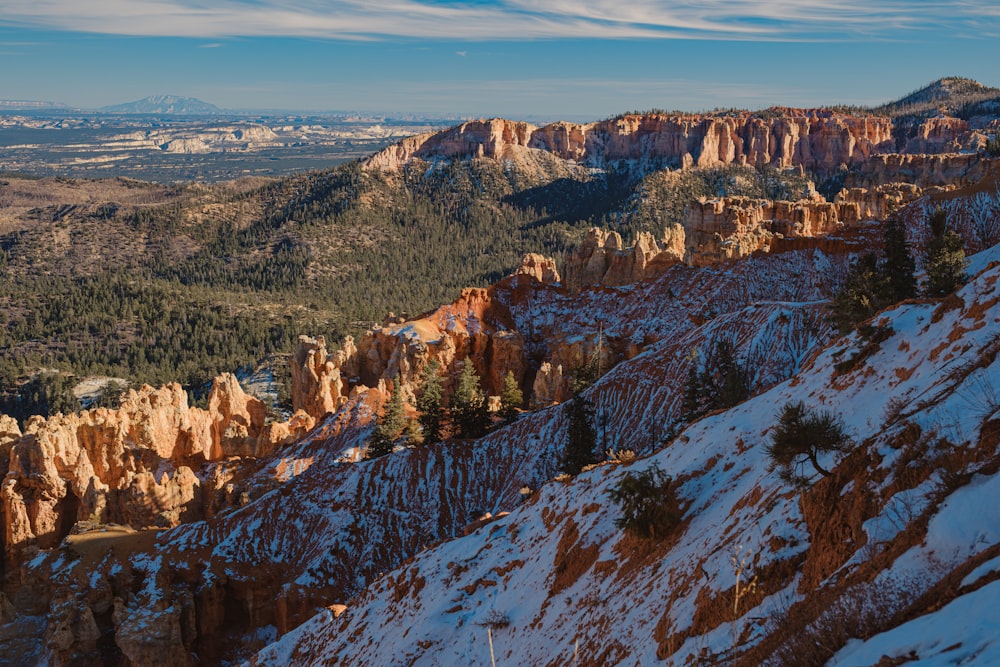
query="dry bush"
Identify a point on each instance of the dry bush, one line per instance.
(620, 456)
(862, 611)
(495, 620)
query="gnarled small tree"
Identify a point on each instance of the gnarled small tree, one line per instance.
(800, 436)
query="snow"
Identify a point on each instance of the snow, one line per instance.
(732, 504)
(966, 523)
(963, 632)
(989, 567)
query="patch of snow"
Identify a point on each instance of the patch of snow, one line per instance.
(964, 632)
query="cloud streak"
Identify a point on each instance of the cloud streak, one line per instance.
(778, 20)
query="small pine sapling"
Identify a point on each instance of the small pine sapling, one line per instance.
(649, 505)
(800, 436)
(945, 260)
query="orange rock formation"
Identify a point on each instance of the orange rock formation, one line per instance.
(815, 139)
(134, 465)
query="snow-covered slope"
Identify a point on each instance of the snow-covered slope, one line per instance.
(756, 570)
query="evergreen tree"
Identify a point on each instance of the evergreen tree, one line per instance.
(721, 384)
(581, 434)
(469, 413)
(110, 395)
(729, 378)
(45, 394)
(992, 147)
(861, 296)
(800, 436)
(693, 401)
(898, 265)
(581, 437)
(390, 425)
(876, 282)
(511, 398)
(431, 404)
(945, 260)
(583, 375)
(649, 505)
(587, 372)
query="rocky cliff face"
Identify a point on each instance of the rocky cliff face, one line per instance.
(727, 228)
(818, 140)
(133, 466)
(946, 169)
(732, 227)
(603, 259)
(475, 326)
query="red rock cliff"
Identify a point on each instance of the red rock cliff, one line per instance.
(813, 139)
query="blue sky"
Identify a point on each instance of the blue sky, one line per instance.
(574, 59)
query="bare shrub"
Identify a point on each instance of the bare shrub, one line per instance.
(620, 455)
(862, 611)
(495, 620)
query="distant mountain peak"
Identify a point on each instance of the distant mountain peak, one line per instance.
(165, 104)
(949, 92)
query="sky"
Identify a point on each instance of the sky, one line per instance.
(571, 59)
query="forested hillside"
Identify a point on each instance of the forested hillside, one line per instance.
(153, 284)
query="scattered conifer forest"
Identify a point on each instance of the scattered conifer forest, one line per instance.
(180, 283)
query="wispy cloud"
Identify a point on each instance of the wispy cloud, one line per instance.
(777, 20)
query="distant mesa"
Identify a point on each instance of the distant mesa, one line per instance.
(29, 105)
(165, 104)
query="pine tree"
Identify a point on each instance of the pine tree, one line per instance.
(110, 395)
(511, 398)
(693, 401)
(992, 147)
(800, 436)
(431, 404)
(469, 413)
(581, 437)
(390, 425)
(587, 372)
(722, 384)
(876, 282)
(731, 385)
(649, 505)
(945, 260)
(898, 265)
(861, 296)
